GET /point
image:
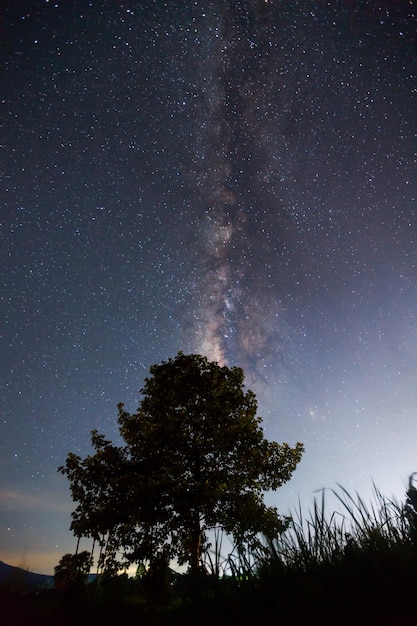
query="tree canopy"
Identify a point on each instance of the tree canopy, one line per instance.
(195, 458)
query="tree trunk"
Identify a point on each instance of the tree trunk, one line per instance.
(195, 549)
(101, 543)
(92, 549)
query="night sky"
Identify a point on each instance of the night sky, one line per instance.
(229, 178)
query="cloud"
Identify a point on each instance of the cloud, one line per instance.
(19, 501)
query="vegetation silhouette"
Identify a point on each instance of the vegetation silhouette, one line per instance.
(354, 565)
(71, 573)
(191, 475)
(195, 459)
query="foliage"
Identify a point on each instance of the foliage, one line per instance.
(354, 565)
(72, 571)
(361, 555)
(354, 528)
(410, 508)
(95, 482)
(195, 459)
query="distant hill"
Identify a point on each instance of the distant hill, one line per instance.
(18, 577)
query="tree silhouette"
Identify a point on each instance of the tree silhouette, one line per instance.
(96, 484)
(195, 459)
(71, 573)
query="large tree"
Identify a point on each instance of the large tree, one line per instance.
(195, 458)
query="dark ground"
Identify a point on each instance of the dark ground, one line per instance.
(47, 609)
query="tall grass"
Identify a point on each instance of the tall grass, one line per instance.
(320, 538)
(358, 559)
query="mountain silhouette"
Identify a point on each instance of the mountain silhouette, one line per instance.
(17, 577)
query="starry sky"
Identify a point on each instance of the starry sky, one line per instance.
(229, 178)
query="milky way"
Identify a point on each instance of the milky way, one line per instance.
(236, 179)
(246, 225)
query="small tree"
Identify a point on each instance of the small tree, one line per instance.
(71, 573)
(97, 485)
(195, 459)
